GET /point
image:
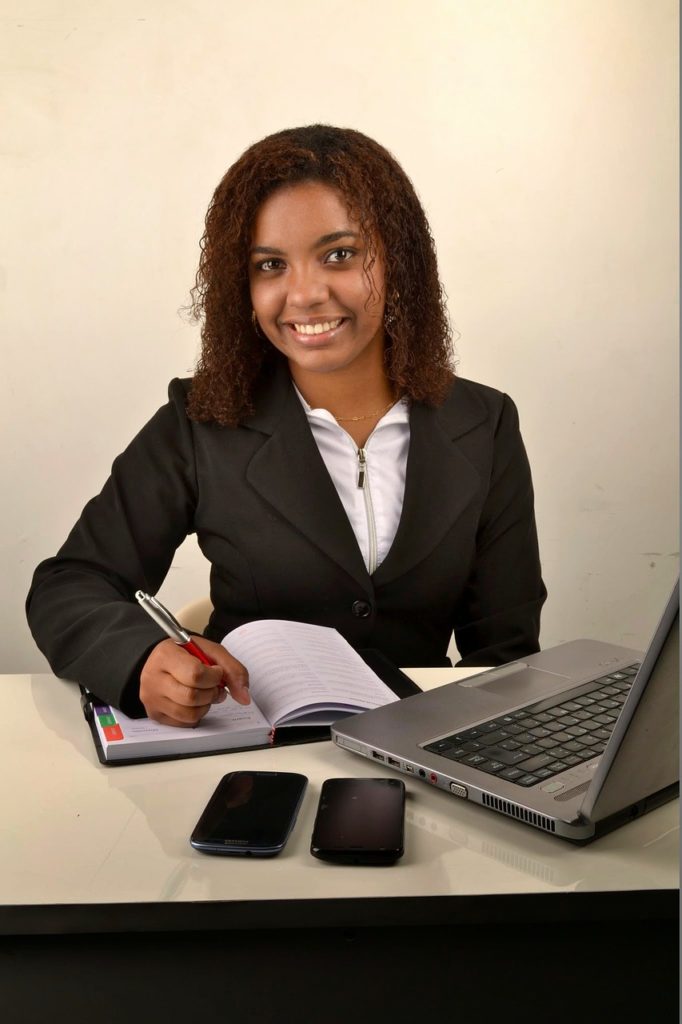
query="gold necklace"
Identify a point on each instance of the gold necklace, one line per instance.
(369, 416)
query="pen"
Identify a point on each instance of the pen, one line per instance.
(170, 625)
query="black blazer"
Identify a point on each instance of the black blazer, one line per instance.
(269, 520)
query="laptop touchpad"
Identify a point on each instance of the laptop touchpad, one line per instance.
(518, 682)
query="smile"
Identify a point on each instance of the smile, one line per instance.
(319, 328)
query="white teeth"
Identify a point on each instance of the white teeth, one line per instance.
(317, 328)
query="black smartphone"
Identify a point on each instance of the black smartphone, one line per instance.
(250, 813)
(360, 821)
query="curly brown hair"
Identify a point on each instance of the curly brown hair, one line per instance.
(418, 356)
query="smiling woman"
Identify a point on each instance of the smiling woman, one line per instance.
(334, 468)
(321, 304)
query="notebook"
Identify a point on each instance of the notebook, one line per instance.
(575, 740)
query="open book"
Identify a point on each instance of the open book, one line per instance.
(302, 677)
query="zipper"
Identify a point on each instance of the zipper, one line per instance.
(363, 484)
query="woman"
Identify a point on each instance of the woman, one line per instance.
(333, 467)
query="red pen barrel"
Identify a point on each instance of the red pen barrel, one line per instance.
(197, 652)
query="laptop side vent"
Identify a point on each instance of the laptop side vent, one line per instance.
(514, 811)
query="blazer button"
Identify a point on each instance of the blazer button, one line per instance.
(361, 609)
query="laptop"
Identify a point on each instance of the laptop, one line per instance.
(575, 740)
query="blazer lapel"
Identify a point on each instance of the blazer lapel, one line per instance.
(440, 481)
(289, 473)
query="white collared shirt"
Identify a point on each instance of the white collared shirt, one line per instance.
(373, 499)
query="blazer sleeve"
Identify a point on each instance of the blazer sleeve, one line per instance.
(81, 607)
(499, 615)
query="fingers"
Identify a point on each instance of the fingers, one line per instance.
(178, 689)
(234, 675)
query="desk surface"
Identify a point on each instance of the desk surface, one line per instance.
(80, 843)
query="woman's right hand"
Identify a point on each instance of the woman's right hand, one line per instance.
(178, 689)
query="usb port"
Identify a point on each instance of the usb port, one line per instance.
(392, 761)
(379, 757)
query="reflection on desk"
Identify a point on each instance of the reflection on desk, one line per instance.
(76, 833)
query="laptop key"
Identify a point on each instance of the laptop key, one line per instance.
(440, 745)
(539, 733)
(508, 757)
(561, 737)
(574, 746)
(494, 737)
(511, 773)
(531, 748)
(510, 745)
(469, 734)
(524, 737)
(541, 761)
(591, 726)
(527, 780)
(475, 760)
(454, 753)
(491, 767)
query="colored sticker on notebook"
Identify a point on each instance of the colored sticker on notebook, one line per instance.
(113, 732)
(105, 720)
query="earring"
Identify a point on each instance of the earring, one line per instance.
(390, 315)
(256, 325)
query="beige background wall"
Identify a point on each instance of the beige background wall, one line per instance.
(542, 138)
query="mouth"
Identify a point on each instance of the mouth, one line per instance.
(311, 332)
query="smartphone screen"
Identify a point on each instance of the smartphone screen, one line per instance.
(360, 821)
(250, 813)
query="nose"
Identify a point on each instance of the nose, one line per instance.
(307, 286)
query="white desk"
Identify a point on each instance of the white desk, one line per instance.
(91, 850)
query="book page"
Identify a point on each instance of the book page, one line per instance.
(294, 666)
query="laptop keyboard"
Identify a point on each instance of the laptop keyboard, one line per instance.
(543, 739)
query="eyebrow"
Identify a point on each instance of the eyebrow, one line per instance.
(334, 236)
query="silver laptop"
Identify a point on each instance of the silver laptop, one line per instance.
(576, 740)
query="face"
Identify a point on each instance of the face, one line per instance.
(309, 287)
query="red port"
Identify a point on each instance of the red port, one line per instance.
(433, 778)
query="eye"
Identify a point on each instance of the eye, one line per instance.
(272, 263)
(339, 255)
